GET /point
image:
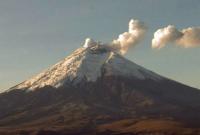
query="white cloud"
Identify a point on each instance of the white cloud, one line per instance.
(128, 39)
(189, 37)
(125, 40)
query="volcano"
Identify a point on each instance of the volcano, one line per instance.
(97, 91)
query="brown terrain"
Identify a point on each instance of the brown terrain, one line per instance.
(105, 107)
(112, 105)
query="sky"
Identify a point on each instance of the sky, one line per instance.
(36, 34)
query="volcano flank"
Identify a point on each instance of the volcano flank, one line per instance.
(96, 90)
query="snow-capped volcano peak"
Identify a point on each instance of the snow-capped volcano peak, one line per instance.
(87, 64)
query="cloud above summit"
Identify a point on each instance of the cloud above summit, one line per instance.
(135, 34)
(188, 37)
(126, 40)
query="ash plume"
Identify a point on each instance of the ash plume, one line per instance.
(125, 40)
(189, 37)
(89, 42)
(129, 39)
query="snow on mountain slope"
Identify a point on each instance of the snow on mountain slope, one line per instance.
(87, 64)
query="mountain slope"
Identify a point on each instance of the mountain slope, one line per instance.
(95, 90)
(87, 64)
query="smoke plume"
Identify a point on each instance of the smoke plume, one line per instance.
(125, 40)
(189, 37)
(89, 42)
(129, 39)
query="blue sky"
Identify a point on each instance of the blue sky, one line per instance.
(36, 34)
